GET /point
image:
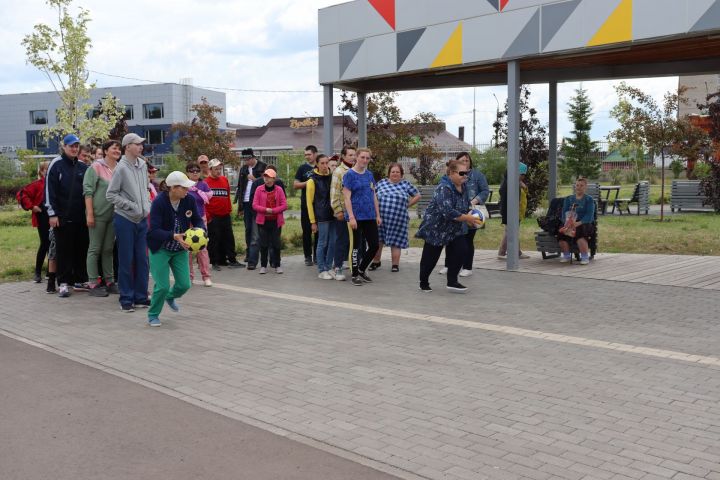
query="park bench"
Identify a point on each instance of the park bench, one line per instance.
(426, 194)
(686, 195)
(640, 196)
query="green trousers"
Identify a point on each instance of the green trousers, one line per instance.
(161, 262)
(102, 239)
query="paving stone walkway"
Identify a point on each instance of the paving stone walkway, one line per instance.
(528, 376)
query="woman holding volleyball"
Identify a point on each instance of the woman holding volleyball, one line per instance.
(171, 214)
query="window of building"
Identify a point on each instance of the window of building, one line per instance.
(152, 111)
(155, 136)
(37, 141)
(38, 117)
(129, 112)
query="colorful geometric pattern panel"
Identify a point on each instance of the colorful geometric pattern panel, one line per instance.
(369, 38)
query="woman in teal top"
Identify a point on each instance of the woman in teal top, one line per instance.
(99, 217)
(578, 215)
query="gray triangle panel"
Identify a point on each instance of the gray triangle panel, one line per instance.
(528, 41)
(554, 17)
(494, 4)
(406, 41)
(710, 19)
(348, 51)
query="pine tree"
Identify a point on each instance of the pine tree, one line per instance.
(578, 150)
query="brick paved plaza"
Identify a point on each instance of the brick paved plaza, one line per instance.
(521, 378)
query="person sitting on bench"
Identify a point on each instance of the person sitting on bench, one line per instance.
(578, 214)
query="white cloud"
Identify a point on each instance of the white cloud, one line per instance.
(253, 44)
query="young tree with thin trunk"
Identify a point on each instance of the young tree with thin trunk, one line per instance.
(60, 52)
(644, 121)
(203, 136)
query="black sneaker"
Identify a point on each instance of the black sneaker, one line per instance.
(425, 288)
(112, 288)
(364, 277)
(357, 281)
(251, 267)
(308, 262)
(51, 290)
(143, 304)
(127, 308)
(37, 278)
(457, 287)
(98, 291)
(236, 265)
(216, 268)
(81, 287)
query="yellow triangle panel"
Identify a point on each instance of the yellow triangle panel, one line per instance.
(617, 28)
(451, 54)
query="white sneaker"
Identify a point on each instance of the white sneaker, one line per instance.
(465, 273)
(263, 270)
(325, 276)
(278, 270)
(207, 282)
(443, 271)
(524, 256)
(339, 275)
(584, 261)
(332, 274)
(501, 256)
(564, 259)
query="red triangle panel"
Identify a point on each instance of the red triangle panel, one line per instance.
(503, 4)
(386, 8)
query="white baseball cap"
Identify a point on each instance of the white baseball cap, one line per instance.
(178, 179)
(132, 138)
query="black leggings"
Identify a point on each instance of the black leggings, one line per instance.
(455, 253)
(43, 231)
(368, 230)
(469, 250)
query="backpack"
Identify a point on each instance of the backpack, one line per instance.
(553, 220)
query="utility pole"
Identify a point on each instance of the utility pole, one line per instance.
(474, 91)
(497, 120)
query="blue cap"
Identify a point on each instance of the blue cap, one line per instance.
(70, 139)
(522, 168)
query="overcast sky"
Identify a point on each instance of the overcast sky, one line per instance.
(252, 44)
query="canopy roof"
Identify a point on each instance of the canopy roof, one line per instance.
(375, 45)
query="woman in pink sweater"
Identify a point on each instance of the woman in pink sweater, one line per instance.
(269, 204)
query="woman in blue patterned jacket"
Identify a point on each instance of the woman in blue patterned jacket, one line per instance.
(444, 225)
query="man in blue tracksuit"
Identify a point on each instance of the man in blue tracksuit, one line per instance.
(65, 204)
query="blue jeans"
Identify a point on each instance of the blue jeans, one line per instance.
(252, 250)
(342, 243)
(133, 266)
(325, 252)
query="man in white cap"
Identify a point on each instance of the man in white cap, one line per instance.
(65, 204)
(128, 192)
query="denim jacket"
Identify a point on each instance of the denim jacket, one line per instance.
(477, 186)
(438, 226)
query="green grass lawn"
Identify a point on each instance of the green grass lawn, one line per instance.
(685, 234)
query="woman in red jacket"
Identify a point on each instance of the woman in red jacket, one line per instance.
(32, 198)
(269, 204)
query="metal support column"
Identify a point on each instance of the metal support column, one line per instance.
(552, 131)
(362, 120)
(513, 160)
(328, 136)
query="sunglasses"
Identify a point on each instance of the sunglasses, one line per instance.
(463, 173)
(194, 170)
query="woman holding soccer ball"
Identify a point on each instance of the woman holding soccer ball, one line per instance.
(172, 213)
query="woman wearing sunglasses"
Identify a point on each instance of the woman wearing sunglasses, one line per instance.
(444, 225)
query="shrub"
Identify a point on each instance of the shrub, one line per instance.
(631, 176)
(710, 185)
(677, 167)
(702, 171)
(492, 164)
(615, 176)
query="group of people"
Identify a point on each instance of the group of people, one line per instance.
(107, 225)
